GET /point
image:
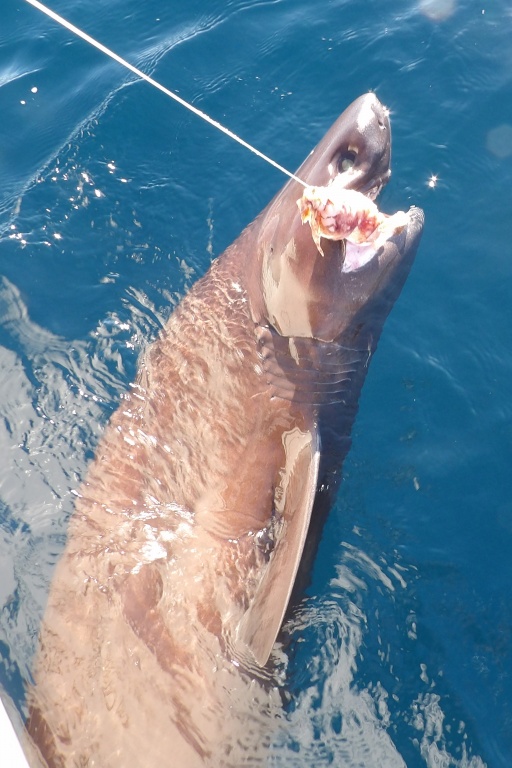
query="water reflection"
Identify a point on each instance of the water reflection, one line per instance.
(499, 141)
(353, 701)
(438, 10)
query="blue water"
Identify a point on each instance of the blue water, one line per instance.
(113, 200)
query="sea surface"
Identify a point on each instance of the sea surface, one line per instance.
(114, 199)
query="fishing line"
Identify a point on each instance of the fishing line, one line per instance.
(88, 39)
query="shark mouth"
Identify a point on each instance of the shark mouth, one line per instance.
(337, 213)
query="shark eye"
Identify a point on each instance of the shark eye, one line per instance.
(346, 161)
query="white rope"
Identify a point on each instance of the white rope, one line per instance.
(139, 73)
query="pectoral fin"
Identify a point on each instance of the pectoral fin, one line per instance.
(260, 624)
